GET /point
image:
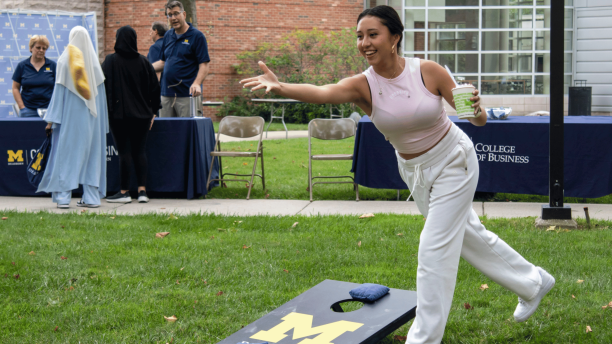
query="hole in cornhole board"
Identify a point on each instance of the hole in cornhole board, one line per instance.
(346, 306)
(308, 318)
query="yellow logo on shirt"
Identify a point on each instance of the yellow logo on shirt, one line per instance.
(48, 68)
(15, 156)
(186, 41)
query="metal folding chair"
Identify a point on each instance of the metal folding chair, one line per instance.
(241, 127)
(330, 129)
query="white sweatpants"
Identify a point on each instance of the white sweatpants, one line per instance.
(442, 182)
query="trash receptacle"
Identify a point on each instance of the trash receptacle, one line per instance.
(579, 103)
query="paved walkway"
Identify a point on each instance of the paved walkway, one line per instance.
(241, 207)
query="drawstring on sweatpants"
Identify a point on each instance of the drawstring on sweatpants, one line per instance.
(418, 178)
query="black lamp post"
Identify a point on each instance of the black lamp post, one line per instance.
(555, 210)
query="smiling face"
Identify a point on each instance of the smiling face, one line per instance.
(177, 19)
(374, 40)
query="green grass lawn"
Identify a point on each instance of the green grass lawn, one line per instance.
(286, 167)
(87, 278)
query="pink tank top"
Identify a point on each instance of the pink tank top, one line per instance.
(410, 117)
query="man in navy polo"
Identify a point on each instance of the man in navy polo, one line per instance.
(184, 62)
(158, 30)
(34, 79)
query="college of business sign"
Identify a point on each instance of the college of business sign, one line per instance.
(499, 153)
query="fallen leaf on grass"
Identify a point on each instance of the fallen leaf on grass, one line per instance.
(551, 228)
(610, 304)
(588, 329)
(212, 237)
(285, 270)
(484, 287)
(182, 268)
(244, 247)
(366, 215)
(16, 276)
(400, 338)
(579, 281)
(246, 185)
(172, 217)
(359, 244)
(573, 297)
(267, 196)
(244, 163)
(177, 282)
(161, 235)
(604, 307)
(63, 258)
(32, 253)
(295, 224)
(467, 306)
(112, 218)
(221, 229)
(400, 234)
(82, 211)
(171, 319)
(13, 263)
(274, 158)
(220, 293)
(56, 328)
(5, 218)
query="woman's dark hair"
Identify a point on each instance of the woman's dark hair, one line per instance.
(389, 18)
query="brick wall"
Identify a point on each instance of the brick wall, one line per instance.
(63, 5)
(231, 27)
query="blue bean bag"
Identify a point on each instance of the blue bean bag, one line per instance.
(369, 292)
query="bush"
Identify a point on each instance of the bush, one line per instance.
(312, 57)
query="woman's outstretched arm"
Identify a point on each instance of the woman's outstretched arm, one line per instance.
(348, 90)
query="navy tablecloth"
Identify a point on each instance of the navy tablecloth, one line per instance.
(513, 156)
(178, 150)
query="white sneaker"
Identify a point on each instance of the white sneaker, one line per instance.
(526, 308)
(63, 206)
(83, 204)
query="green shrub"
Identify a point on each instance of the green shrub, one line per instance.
(312, 57)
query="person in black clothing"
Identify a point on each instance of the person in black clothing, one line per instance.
(133, 97)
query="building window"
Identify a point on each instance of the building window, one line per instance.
(500, 46)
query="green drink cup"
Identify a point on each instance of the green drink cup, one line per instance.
(463, 104)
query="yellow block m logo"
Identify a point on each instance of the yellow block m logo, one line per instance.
(302, 327)
(12, 156)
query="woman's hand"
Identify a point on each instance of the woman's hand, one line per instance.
(481, 118)
(476, 100)
(152, 119)
(268, 80)
(48, 129)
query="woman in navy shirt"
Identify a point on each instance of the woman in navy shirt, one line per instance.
(34, 79)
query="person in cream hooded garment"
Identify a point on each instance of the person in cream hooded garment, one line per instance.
(78, 116)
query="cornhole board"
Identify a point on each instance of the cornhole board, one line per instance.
(309, 318)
